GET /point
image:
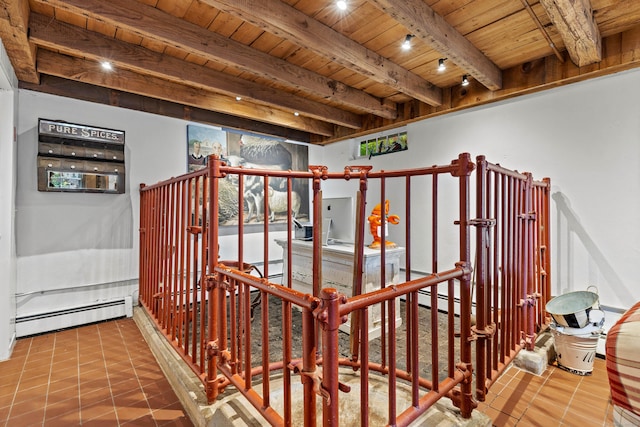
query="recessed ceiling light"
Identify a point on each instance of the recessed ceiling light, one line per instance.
(106, 65)
(342, 4)
(238, 98)
(296, 114)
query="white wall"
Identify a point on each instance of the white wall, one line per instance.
(586, 138)
(8, 112)
(67, 241)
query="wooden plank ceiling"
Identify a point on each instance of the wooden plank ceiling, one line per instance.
(305, 70)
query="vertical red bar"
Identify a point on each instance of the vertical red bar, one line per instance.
(171, 279)
(166, 285)
(309, 348)
(364, 367)
(264, 304)
(287, 322)
(181, 237)
(330, 355)
(409, 306)
(143, 291)
(466, 166)
(480, 275)
(495, 283)
(546, 231)
(211, 251)
(384, 323)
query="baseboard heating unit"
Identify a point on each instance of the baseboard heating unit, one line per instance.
(32, 324)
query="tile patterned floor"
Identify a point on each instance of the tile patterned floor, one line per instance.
(555, 398)
(105, 375)
(96, 375)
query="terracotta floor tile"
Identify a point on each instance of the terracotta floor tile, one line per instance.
(180, 422)
(32, 418)
(11, 367)
(36, 370)
(64, 384)
(62, 395)
(6, 401)
(61, 408)
(93, 397)
(512, 405)
(64, 361)
(133, 398)
(4, 413)
(93, 384)
(500, 419)
(92, 370)
(547, 405)
(108, 418)
(96, 410)
(535, 419)
(144, 421)
(162, 400)
(39, 392)
(66, 420)
(128, 414)
(25, 406)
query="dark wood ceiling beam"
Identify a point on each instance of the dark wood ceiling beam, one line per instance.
(129, 81)
(432, 28)
(75, 41)
(578, 29)
(101, 95)
(279, 18)
(14, 17)
(152, 23)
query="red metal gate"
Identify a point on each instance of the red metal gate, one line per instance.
(512, 270)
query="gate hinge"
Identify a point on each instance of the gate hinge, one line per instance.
(531, 216)
(483, 222)
(487, 333)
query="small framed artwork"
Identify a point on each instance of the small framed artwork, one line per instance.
(389, 143)
(202, 141)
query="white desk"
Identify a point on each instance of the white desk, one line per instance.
(337, 272)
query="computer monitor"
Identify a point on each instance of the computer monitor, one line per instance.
(340, 211)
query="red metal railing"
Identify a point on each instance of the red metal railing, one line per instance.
(512, 271)
(205, 306)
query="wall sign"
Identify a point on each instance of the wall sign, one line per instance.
(80, 158)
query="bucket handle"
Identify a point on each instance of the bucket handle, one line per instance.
(596, 306)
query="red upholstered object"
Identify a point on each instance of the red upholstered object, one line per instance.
(623, 360)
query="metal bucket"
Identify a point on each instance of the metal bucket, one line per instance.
(572, 309)
(576, 348)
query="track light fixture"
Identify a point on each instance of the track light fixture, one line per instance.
(342, 4)
(441, 66)
(465, 80)
(406, 44)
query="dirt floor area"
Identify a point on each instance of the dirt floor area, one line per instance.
(375, 345)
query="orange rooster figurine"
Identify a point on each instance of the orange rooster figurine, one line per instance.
(376, 224)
